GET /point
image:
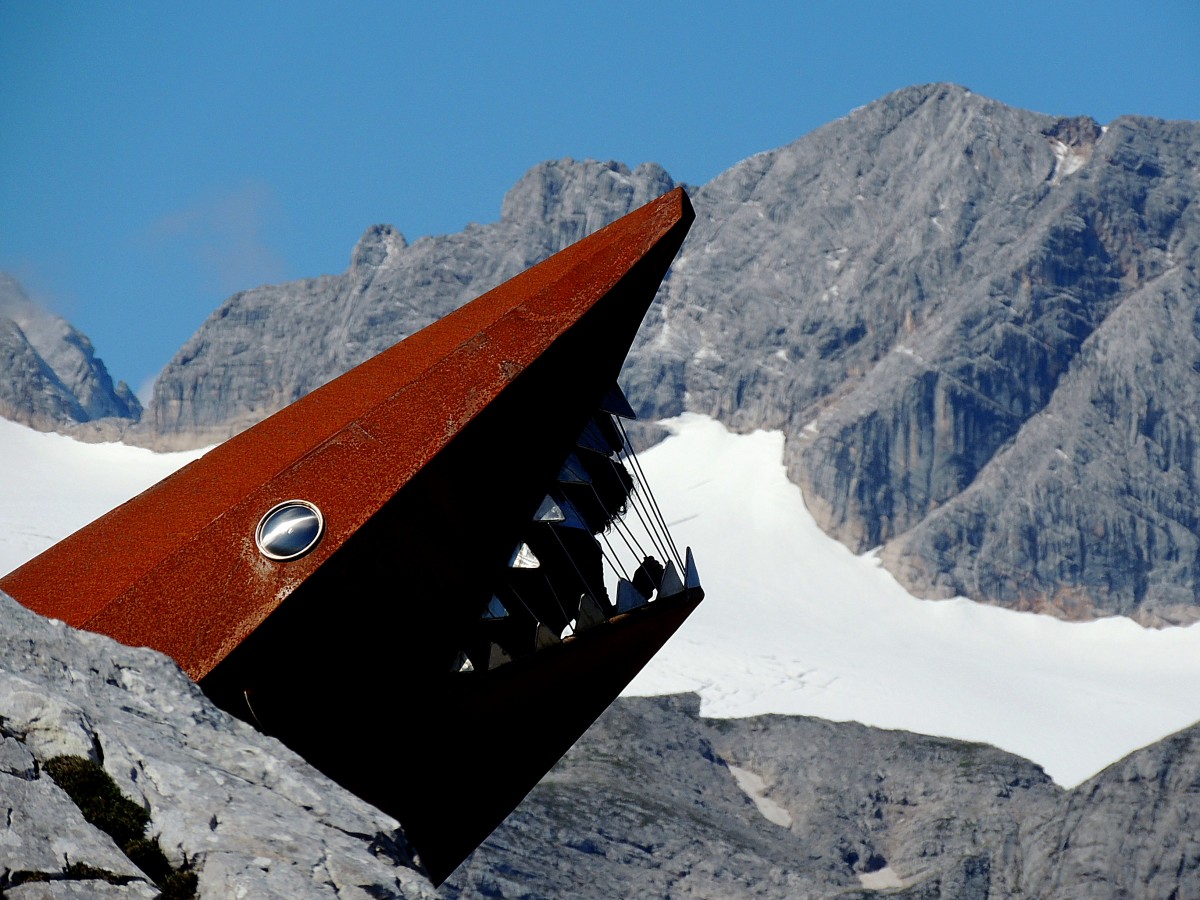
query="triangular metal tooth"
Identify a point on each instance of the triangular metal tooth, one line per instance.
(614, 402)
(573, 472)
(590, 613)
(544, 638)
(593, 438)
(495, 609)
(524, 558)
(497, 656)
(628, 597)
(691, 578)
(571, 517)
(549, 511)
(671, 585)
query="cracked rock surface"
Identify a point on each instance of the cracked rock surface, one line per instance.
(645, 805)
(248, 815)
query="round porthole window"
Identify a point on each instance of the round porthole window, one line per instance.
(289, 530)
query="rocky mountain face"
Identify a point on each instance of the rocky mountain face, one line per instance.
(653, 801)
(243, 812)
(52, 379)
(973, 323)
(267, 347)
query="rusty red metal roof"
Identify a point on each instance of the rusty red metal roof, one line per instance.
(176, 568)
(428, 464)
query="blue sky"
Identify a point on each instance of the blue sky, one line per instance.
(156, 157)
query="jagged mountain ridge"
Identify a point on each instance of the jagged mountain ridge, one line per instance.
(972, 322)
(53, 379)
(264, 348)
(646, 804)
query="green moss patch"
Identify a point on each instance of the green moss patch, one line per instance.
(104, 806)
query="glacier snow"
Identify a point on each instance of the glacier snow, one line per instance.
(793, 622)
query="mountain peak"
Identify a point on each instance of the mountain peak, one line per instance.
(377, 247)
(566, 188)
(54, 379)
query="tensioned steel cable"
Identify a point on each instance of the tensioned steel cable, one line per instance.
(650, 499)
(619, 526)
(651, 528)
(611, 556)
(588, 589)
(615, 519)
(554, 594)
(532, 615)
(625, 529)
(630, 454)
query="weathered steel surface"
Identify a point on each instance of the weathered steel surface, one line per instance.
(427, 464)
(176, 568)
(501, 739)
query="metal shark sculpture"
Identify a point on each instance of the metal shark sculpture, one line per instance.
(424, 551)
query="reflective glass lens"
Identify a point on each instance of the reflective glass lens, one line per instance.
(289, 530)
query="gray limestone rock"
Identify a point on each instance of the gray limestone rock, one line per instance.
(52, 379)
(42, 833)
(80, 889)
(264, 348)
(648, 803)
(246, 813)
(642, 806)
(1131, 831)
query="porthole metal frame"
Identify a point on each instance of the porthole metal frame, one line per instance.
(277, 557)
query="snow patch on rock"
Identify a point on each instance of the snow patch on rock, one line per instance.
(756, 789)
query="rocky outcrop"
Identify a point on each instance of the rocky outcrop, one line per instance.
(656, 801)
(642, 806)
(1132, 831)
(653, 801)
(53, 380)
(241, 810)
(648, 803)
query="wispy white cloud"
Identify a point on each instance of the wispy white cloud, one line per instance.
(228, 236)
(145, 390)
(28, 285)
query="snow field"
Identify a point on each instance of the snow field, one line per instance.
(793, 622)
(51, 486)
